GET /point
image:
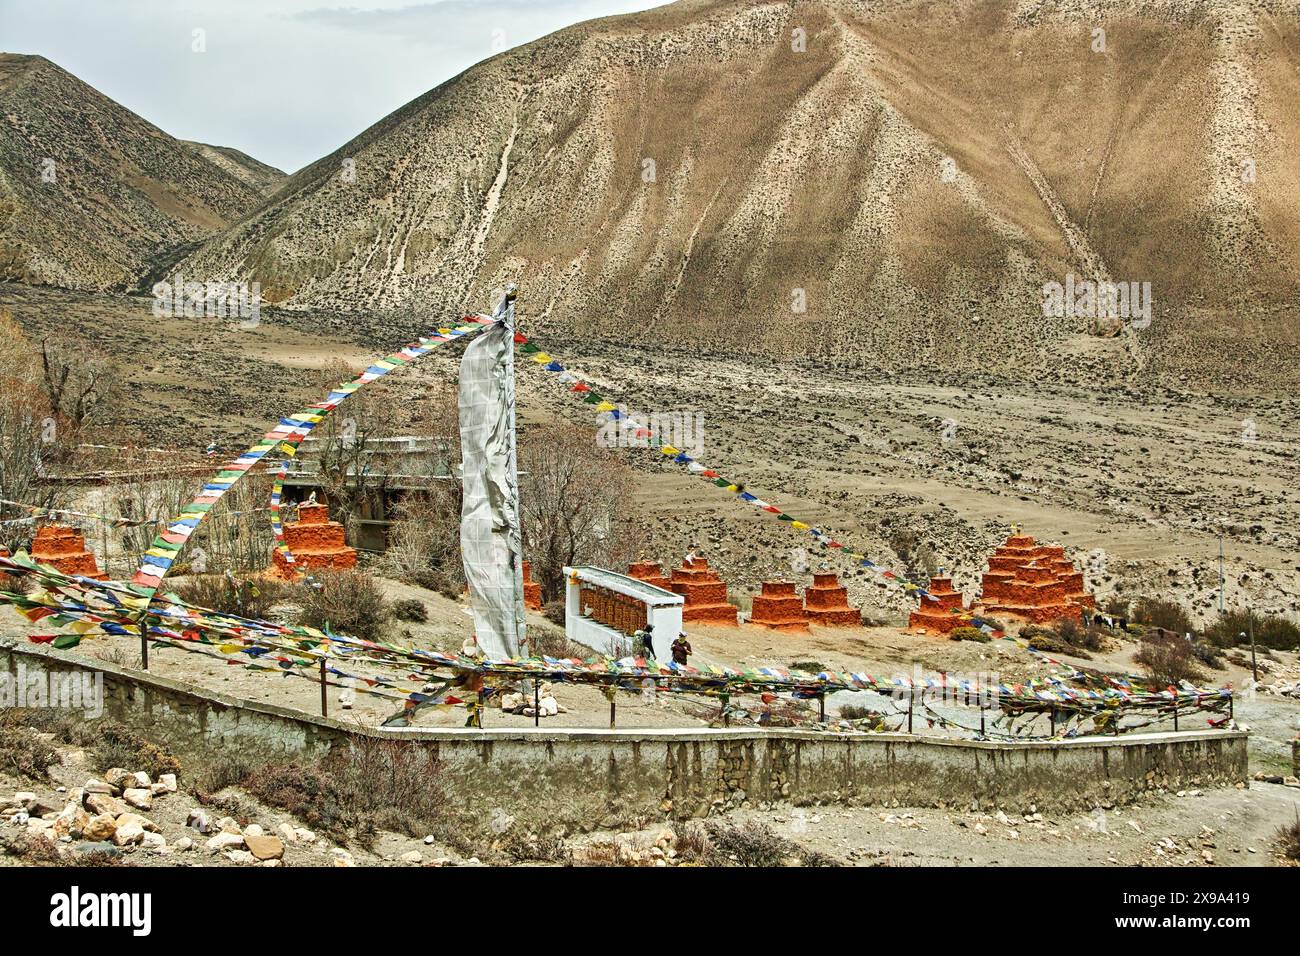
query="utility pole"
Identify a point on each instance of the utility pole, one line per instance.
(1221, 578)
(1250, 624)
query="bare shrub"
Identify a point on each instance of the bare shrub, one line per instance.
(1270, 630)
(551, 642)
(1156, 612)
(755, 844)
(118, 656)
(1287, 839)
(410, 609)
(692, 844)
(356, 791)
(21, 752)
(1167, 658)
(349, 602)
(246, 597)
(114, 744)
(544, 848)
(424, 543)
(555, 612)
(1076, 635)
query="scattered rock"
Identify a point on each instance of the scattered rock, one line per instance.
(100, 827)
(128, 832)
(107, 849)
(102, 803)
(224, 841)
(72, 821)
(264, 847)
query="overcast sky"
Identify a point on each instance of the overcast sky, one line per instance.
(286, 81)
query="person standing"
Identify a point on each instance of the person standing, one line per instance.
(681, 650)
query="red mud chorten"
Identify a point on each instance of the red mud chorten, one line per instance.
(827, 603)
(1033, 581)
(650, 573)
(532, 591)
(946, 612)
(779, 608)
(316, 542)
(65, 549)
(705, 594)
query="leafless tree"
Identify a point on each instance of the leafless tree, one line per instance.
(79, 381)
(31, 442)
(576, 503)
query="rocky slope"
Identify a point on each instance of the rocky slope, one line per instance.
(265, 179)
(91, 195)
(888, 184)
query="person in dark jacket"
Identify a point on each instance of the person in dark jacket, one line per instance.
(681, 649)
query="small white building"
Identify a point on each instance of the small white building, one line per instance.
(603, 609)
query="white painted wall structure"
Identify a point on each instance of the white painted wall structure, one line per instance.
(663, 610)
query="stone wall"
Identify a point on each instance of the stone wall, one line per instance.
(607, 778)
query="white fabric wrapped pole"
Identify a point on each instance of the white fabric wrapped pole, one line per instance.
(490, 539)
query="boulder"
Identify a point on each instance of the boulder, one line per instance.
(101, 847)
(128, 833)
(144, 822)
(168, 780)
(226, 841)
(140, 798)
(265, 847)
(71, 822)
(102, 803)
(100, 827)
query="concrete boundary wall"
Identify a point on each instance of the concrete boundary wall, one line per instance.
(587, 779)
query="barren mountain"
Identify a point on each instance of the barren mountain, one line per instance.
(265, 179)
(91, 195)
(875, 183)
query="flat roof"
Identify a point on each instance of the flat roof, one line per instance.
(632, 587)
